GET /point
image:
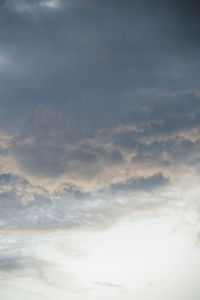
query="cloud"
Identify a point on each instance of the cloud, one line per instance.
(140, 184)
(94, 109)
(52, 4)
(99, 123)
(109, 284)
(17, 263)
(67, 207)
(24, 6)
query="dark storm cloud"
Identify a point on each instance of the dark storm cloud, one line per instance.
(55, 55)
(52, 161)
(96, 96)
(188, 11)
(140, 184)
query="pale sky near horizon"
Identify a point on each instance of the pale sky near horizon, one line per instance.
(99, 149)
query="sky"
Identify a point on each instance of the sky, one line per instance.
(99, 149)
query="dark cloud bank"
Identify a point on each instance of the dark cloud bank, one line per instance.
(97, 99)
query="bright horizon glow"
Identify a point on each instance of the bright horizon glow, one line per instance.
(129, 260)
(139, 257)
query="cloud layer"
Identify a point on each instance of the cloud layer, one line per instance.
(99, 149)
(98, 99)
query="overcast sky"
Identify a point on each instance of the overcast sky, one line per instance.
(99, 149)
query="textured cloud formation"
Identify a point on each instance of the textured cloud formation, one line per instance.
(99, 129)
(68, 207)
(97, 99)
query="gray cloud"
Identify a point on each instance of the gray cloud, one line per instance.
(99, 123)
(140, 184)
(97, 98)
(17, 263)
(68, 207)
(109, 284)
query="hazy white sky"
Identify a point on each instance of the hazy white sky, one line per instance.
(152, 254)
